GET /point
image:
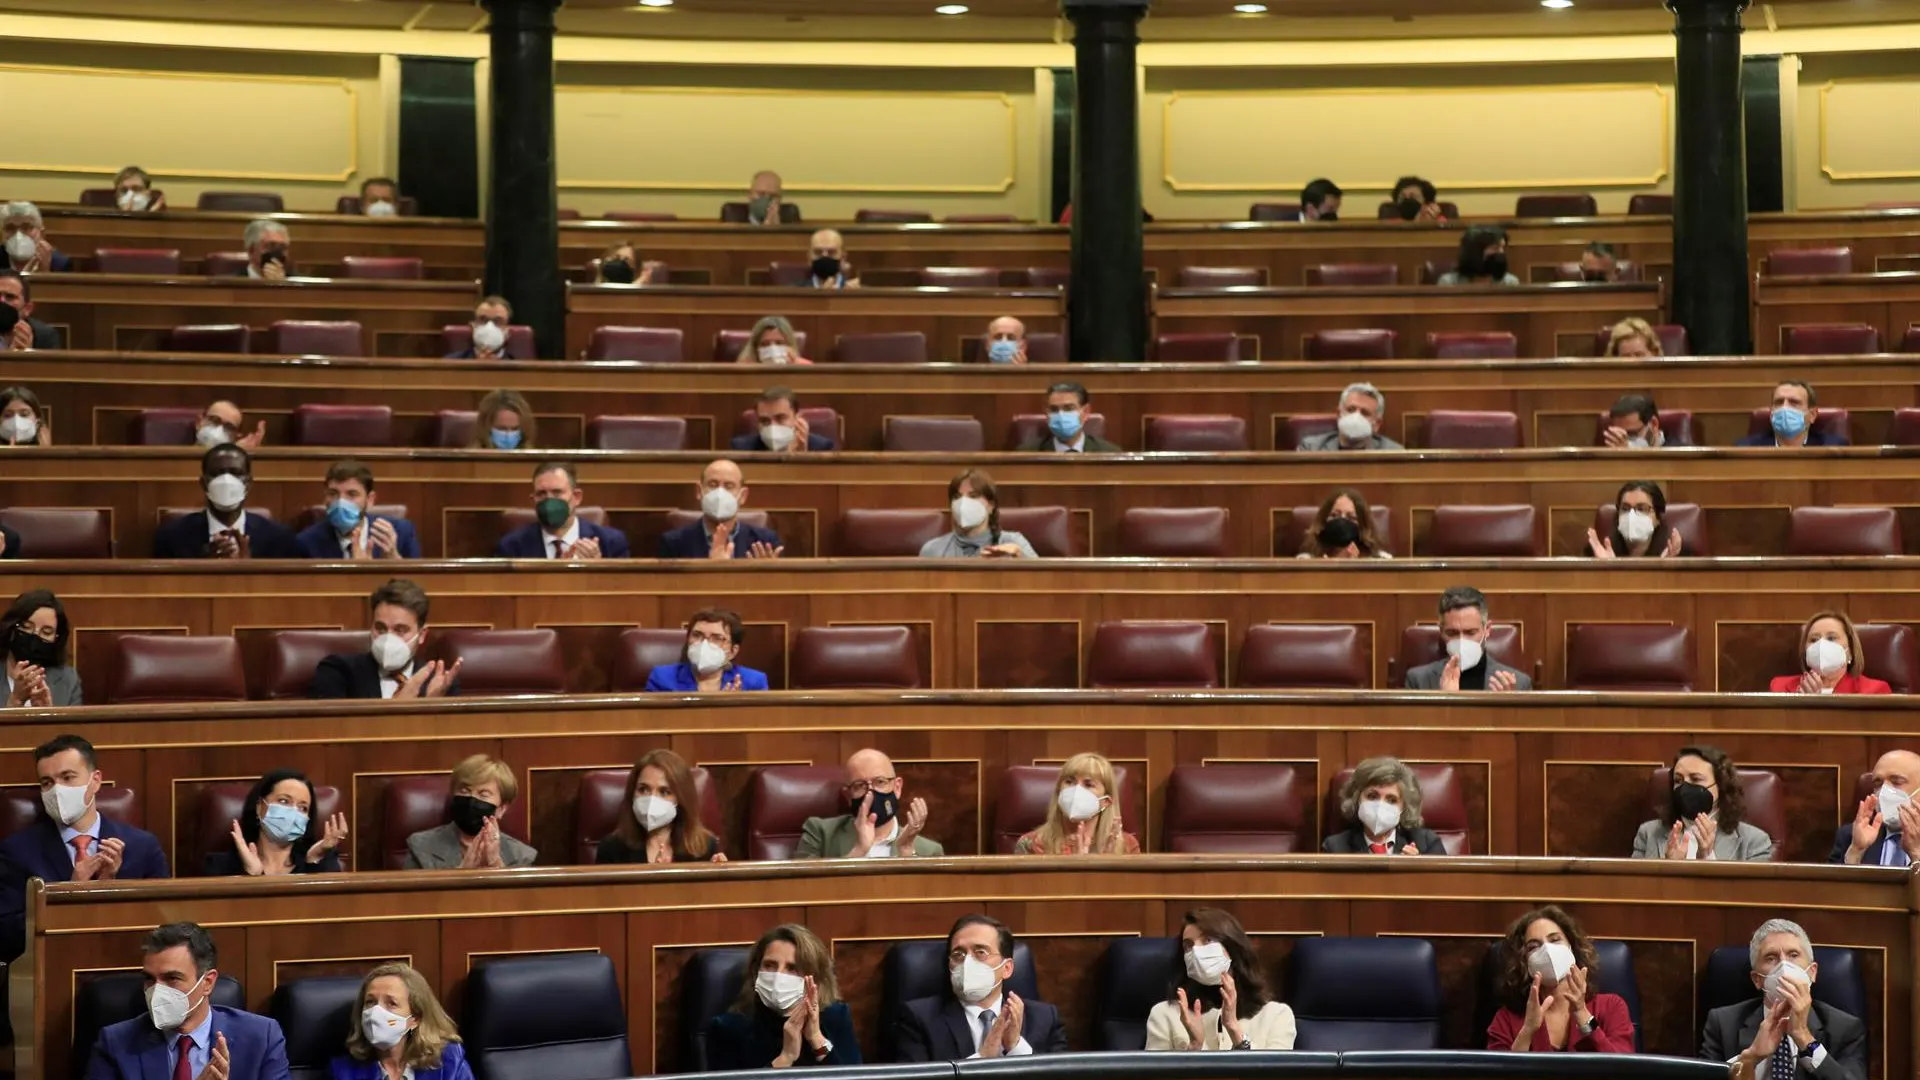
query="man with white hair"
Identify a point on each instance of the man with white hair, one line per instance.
(1363, 409)
(1886, 829)
(269, 248)
(1785, 1034)
(25, 235)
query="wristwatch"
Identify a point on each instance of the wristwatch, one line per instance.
(1244, 1044)
(1586, 1028)
(1807, 1050)
(826, 1047)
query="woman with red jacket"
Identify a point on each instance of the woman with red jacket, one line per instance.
(1547, 970)
(1834, 661)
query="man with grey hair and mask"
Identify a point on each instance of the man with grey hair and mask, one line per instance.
(1785, 1034)
(269, 250)
(1465, 629)
(1362, 412)
(25, 235)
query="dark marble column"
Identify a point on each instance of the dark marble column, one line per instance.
(523, 226)
(1712, 289)
(1107, 298)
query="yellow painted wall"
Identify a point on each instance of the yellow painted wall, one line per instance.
(1859, 136)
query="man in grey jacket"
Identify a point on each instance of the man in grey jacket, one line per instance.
(1464, 627)
(1362, 412)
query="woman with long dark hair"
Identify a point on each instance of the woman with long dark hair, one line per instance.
(1547, 974)
(1220, 997)
(278, 833)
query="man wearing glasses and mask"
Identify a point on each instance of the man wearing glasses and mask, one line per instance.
(877, 824)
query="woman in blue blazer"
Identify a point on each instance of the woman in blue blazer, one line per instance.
(787, 1013)
(706, 663)
(399, 1026)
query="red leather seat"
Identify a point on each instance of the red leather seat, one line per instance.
(1835, 422)
(1824, 339)
(385, 267)
(242, 202)
(1301, 523)
(1196, 434)
(728, 343)
(1645, 657)
(1686, 518)
(786, 275)
(405, 205)
(1765, 797)
(1304, 656)
(1174, 532)
(933, 434)
(415, 803)
(1048, 277)
(292, 656)
(506, 661)
(1624, 270)
(637, 433)
(453, 428)
(1274, 211)
(1910, 341)
(458, 338)
(1443, 804)
(1299, 429)
(225, 263)
(781, 800)
(870, 533)
(1676, 427)
(1153, 655)
(48, 532)
(1450, 429)
(981, 219)
(1475, 345)
(1790, 262)
(1905, 428)
(1026, 427)
(1234, 809)
(640, 649)
(1027, 790)
(163, 427)
(908, 347)
(1219, 277)
(565, 214)
(1566, 205)
(136, 260)
(157, 669)
(1048, 528)
(307, 337)
(820, 420)
(960, 277)
(106, 198)
(636, 344)
(1844, 530)
(1371, 344)
(341, 425)
(1651, 204)
(602, 798)
(638, 215)
(854, 658)
(1196, 348)
(1042, 348)
(1421, 644)
(20, 807)
(221, 804)
(227, 338)
(892, 217)
(1509, 531)
(1892, 654)
(1349, 274)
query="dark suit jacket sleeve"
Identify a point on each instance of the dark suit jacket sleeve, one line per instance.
(45, 335)
(270, 540)
(331, 680)
(1429, 842)
(911, 1039)
(12, 545)
(408, 539)
(273, 1063)
(1054, 1041)
(748, 442)
(104, 1064)
(1716, 1034)
(836, 1023)
(143, 858)
(14, 873)
(818, 443)
(1842, 840)
(613, 544)
(176, 540)
(1847, 1056)
(681, 543)
(1337, 844)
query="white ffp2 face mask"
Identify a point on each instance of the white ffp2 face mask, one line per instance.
(391, 652)
(1468, 650)
(1078, 803)
(382, 1027)
(706, 657)
(1551, 962)
(779, 990)
(489, 337)
(969, 513)
(654, 812)
(1207, 962)
(973, 981)
(168, 1007)
(1785, 969)
(720, 504)
(1891, 799)
(382, 208)
(133, 201)
(1636, 527)
(65, 803)
(1826, 657)
(774, 354)
(19, 429)
(1379, 816)
(1354, 427)
(226, 492)
(212, 435)
(21, 247)
(777, 436)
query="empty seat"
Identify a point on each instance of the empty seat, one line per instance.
(1892, 654)
(1645, 657)
(1910, 341)
(781, 798)
(961, 277)
(908, 347)
(1651, 204)
(1364, 993)
(1567, 205)
(638, 344)
(1370, 344)
(1451, 429)
(1219, 277)
(1844, 530)
(1048, 277)
(1236, 809)
(1026, 791)
(1676, 427)
(164, 427)
(225, 264)
(1174, 532)
(385, 267)
(1162, 655)
(453, 428)
(1687, 519)
(292, 656)
(48, 532)
(934, 434)
(1443, 802)
(1133, 976)
(890, 217)
(318, 338)
(1483, 531)
(1473, 345)
(601, 800)
(640, 649)
(1304, 656)
(553, 1017)
(1818, 339)
(1027, 428)
(157, 669)
(872, 533)
(312, 1012)
(1789, 262)
(341, 425)
(1834, 423)
(1196, 434)
(1762, 790)
(709, 982)
(1196, 348)
(506, 661)
(137, 260)
(637, 433)
(242, 202)
(1273, 211)
(223, 338)
(854, 658)
(458, 338)
(1299, 428)
(1048, 528)
(1348, 274)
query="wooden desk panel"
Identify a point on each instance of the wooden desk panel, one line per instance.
(452, 248)
(649, 922)
(1889, 302)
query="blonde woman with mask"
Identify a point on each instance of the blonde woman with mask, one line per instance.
(1084, 816)
(400, 1031)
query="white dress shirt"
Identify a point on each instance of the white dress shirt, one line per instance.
(567, 539)
(215, 527)
(1078, 445)
(883, 848)
(979, 1030)
(390, 682)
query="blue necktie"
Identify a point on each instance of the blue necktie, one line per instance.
(1783, 1062)
(986, 1026)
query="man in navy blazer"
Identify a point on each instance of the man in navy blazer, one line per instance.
(227, 530)
(1792, 420)
(181, 968)
(781, 428)
(347, 531)
(1885, 831)
(720, 534)
(71, 841)
(980, 1017)
(557, 531)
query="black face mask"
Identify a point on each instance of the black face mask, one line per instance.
(9, 318)
(1690, 801)
(1337, 533)
(274, 255)
(826, 266)
(30, 648)
(617, 272)
(1410, 209)
(470, 814)
(885, 805)
(1495, 267)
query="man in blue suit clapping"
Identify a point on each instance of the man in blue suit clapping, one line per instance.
(348, 529)
(184, 1035)
(720, 534)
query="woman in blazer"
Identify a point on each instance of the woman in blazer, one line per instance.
(1220, 997)
(1381, 805)
(707, 658)
(278, 833)
(1547, 974)
(788, 1014)
(1703, 818)
(400, 1030)
(34, 634)
(1835, 664)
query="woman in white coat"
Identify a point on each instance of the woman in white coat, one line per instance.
(1220, 997)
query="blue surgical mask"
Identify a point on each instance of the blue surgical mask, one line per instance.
(1003, 351)
(1064, 425)
(505, 440)
(284, 823)
(1789, 423)
(344, 515)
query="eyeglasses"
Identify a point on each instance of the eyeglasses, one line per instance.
(981, 953)
(721, 639)
(859, 788)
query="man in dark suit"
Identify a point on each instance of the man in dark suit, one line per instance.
(182, 1021)
(557, 532)
(720, 534)
(1468, 666)
(390, 668)
(980, 1018)
(28, 332)
(1792, 420)
(347, 531)
(1886, 829)
(27, 247)
(781, 427)
(269, 251)
(1067, 432)
(71, 841)
(1785, 1033)
(492, 318)
(227, 530)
